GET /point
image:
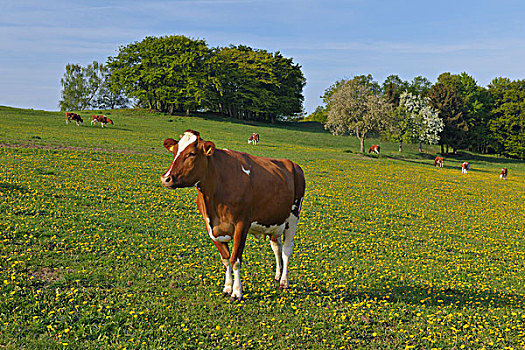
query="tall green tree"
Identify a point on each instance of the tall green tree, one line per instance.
(419, 86)
(508, 123)
(356, 108)
(255, 84)
(80, 85)
(392, 88)
(445, 99)
(168, 73)
(476, 109)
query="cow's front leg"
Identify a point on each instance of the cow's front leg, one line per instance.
(277, 248)
(239, 240)
(228, 280)
(225, 258)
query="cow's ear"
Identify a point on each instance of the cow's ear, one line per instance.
(170, 144)
(209, 148)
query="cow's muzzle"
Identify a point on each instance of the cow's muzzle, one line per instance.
(168, 181)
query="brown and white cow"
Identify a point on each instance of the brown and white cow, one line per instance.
(237, 194)
(439, 161)
(503, 173)
(465, 167)
(254, 138)
(102, 119)
(75, 117)
(374, 148)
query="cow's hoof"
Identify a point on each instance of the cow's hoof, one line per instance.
(226, 294)
(236, 298)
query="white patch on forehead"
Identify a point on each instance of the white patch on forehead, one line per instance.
(187, 139)
(247, 172)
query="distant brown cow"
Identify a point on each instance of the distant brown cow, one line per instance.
(439, 162)
(254, 138)
(73, 116)
(102, 119)
(374, 148)
(465, 167)
(503, 174)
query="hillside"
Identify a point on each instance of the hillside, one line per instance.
(390, 252)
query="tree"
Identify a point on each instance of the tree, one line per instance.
(392, 89)
(419, 86)
(423, 122)
(413, 120)
(169, 73)
(255, 84)
(396, 127)
(444, 99)
(319, 115)
(508, 123)
(107, 99)
(355, 107)
(477, 106)
(80, 85)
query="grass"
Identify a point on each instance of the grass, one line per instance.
(390, 252)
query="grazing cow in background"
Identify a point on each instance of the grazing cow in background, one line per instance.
(465, 167)
(75, 117)
(374, 148)
(503, 174)
(237, 194)
(254, 138)
(439, 162)
(102, 119)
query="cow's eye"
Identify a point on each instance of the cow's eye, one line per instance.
(192, 154)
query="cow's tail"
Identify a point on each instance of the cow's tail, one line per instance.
(300, 186)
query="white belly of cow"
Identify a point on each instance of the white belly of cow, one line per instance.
(259, 230)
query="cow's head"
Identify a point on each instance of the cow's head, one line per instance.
(190, 160)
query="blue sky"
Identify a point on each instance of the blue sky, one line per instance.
(330, 39)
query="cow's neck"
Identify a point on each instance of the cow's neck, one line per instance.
(208, 183)
(217, 176)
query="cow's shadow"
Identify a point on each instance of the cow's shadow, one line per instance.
(412, 295)
(6, 187)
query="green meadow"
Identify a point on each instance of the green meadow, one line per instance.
(390, 252)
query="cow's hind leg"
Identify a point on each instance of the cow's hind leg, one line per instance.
(277, 247)
(287, 249)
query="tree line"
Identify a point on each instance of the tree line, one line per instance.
(176, 74)
(455, 112)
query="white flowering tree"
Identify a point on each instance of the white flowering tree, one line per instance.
(424, 123)
(355, 108)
